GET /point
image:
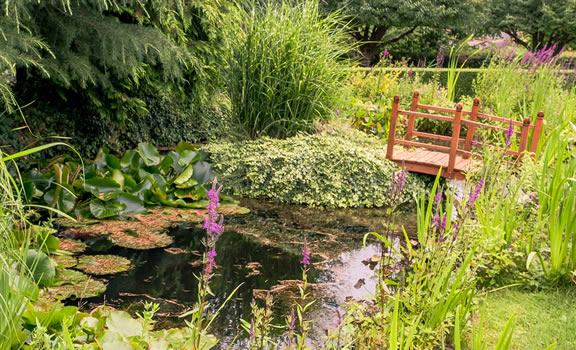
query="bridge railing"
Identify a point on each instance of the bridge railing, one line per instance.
(458, 118)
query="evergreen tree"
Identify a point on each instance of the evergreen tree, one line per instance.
(107, 50)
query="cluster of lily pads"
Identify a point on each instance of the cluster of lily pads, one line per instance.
(111, 186)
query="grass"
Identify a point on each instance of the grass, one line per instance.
(542, 318)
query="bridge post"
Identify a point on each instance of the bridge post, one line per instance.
(470, 133)
(454, 142)
(524, 136)
(392, 131)
(412, 119)
(537, 132)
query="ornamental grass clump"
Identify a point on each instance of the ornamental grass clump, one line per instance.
(285, 67)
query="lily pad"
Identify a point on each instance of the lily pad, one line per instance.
(67, 276)
(142, 241)
(233, 209)
(72, 246)
(87, 289)
(64, 261)
(103, 264)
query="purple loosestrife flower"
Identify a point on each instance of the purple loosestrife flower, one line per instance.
(398, 181)
(435, 220)
(438, 197)
(213, 224)
(305, 255)
(509, 133)
(385, 53)
(338, 112)
(410, 72)
(339, 320)
(443, 223)
(476, 193)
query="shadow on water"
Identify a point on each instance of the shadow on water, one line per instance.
(257, 250)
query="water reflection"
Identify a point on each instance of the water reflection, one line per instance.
(257, 250)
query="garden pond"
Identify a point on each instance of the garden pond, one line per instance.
(260, 251)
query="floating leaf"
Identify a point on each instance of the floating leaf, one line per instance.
(67, 276)
(72, 246)
(63, 261)
(144, 240)
(87, 289)
(103, 264)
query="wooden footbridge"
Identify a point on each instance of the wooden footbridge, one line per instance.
(456, 158)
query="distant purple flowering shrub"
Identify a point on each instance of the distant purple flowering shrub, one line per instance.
(509, 133)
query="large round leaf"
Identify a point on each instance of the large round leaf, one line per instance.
(41, 266)
(134, 204)
(123, 324)
(202, 172)
(60, 198)
(149, 153)
(102, 210)
(97, 185)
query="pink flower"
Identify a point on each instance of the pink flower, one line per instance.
(305, 255)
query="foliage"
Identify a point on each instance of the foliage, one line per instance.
(383, 22)
(87, 132)
(346, 169)
(114, 186)
(105, 328)
(283, 68)
(534, 24)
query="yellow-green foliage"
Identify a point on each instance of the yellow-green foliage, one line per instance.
(345, 169)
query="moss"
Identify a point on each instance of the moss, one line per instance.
(337, 170)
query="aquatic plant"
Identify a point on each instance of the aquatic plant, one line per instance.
(113, 186)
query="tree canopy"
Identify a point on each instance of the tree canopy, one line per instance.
(534, 24)
(376, 23)
(104, 48)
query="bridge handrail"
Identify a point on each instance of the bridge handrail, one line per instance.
(457, 122)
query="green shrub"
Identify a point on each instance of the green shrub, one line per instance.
(285, 68)
(341, 170)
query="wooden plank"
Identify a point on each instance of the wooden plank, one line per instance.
(499, 119)
(487, 126)
(437, 109)
(435, 137)
(422, 145)
(427, 115)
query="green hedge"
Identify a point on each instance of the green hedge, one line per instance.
(341, 170)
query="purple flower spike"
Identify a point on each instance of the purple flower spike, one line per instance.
(410, 72)
(438, 197)
(305, 255)
(476, 193)
(398, 181)
(435, 220)
(443, 223)
(385, 53)
(509, 133)
(440, 58)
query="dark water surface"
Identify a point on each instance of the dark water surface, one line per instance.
(256, 251)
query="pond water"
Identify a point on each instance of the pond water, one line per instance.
(257, 251)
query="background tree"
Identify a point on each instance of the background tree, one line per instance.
(534, 24)
(377, 23)
(108, 51)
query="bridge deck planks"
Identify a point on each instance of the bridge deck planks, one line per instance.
(429, 162)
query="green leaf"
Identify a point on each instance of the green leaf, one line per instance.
(102, 210)
(185, 146)
(194, 194)
(97, 185)
(112, 161)
(187, 157)
(188, 184)
(149, 153)
(41, 266)
(123, 324)
(65, 201)
(118, 177)
(133, 204)
(185, 176)
(202, 171)
(166, 164)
